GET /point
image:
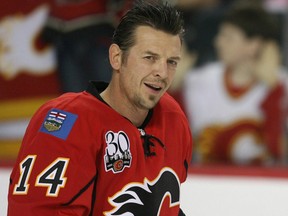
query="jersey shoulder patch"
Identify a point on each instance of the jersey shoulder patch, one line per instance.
(58, 123)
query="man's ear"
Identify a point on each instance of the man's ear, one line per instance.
(115, 56)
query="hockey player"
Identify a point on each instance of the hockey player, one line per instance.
(121, 148)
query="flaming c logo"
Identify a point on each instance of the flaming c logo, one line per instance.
(146, 198)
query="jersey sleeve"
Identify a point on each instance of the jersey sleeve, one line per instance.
(185, 133)
(274, 115)
(188, 146)
(55, 167)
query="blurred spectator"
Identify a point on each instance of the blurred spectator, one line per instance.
(236, 105)
(202, 19)
(279, 8)
(81, 31)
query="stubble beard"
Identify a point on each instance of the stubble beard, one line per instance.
(148, 103)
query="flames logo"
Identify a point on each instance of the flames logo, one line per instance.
(18, 51)
(147, 198)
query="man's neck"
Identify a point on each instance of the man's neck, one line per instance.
(123, 107)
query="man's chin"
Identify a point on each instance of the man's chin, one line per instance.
(152, 102)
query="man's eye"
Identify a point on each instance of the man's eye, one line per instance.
(172, 62)
(152, 58)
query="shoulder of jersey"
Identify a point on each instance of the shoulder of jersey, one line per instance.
(82, 104)
(75, 102)
(169, 104)
(61, 113)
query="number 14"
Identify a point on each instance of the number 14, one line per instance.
(51, 177)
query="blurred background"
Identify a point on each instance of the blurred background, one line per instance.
(232, 84)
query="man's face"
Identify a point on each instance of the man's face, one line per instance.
(150, 67)
(232, 46)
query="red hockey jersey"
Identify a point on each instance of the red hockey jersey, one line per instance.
(80, 157)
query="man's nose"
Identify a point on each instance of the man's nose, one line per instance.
(161, 69)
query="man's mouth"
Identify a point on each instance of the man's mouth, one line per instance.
(154, 87)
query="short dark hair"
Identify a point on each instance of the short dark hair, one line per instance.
(158, 15)
(254, 21)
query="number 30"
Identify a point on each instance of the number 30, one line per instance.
(51, 177)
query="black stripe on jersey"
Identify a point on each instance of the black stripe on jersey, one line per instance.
(93, 196)
(147, 119)
(95, 88)
(181, 213)
(81, 191)
(186, 165)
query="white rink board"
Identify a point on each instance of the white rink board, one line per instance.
(216, 195)
(4, 180)
(234, 196)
